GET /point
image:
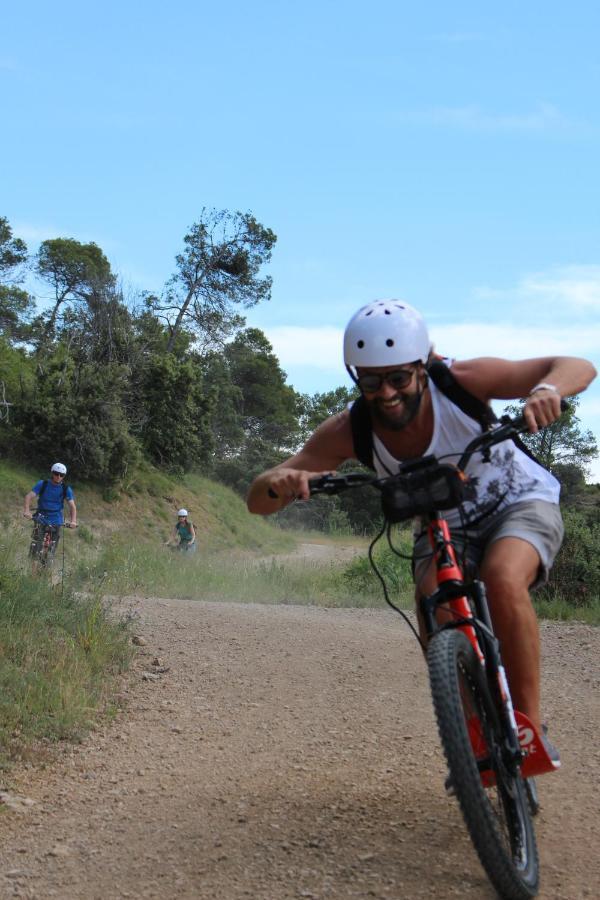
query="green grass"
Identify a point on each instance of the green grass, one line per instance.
(129, 568)
(558, 609)
(59, 656)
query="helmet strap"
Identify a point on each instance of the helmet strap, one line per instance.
(352, 374)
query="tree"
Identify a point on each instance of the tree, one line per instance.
(217, 271)
(563, 443)
(174, 412)
(75, 272)
(16, 304)
(102, 329)
(269, 407)
(318, 407)
(74, 411)
(13, 253)
(226, 419)
(255, 416)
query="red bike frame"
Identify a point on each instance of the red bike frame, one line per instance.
(535, 758)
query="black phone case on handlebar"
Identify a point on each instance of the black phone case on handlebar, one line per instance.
(425, 491)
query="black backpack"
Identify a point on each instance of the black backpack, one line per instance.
(444, 380)
(45, 485)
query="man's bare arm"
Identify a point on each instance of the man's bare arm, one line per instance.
(72, 513)
(29, 497)
(490, 378)
(328, 447)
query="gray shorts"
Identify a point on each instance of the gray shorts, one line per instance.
(536, 521)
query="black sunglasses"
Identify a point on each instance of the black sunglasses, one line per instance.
(59, 474)
(398, 378)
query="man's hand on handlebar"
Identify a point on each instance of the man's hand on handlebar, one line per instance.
(542, 408)
(292, 484)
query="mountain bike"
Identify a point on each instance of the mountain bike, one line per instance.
(44, 539)
(492, 750)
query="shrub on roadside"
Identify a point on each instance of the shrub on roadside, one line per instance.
(575, 576)
(395, 570)
(57, 655)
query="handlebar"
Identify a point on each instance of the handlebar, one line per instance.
(424, 484)
(40, 517)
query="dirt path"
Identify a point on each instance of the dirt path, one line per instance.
(289, 752)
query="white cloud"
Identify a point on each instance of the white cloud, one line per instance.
(294, 345)
(456, 37)
(546, 117)
(515, 340)
(577, 286)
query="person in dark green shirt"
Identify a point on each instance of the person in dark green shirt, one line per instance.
(184, 531)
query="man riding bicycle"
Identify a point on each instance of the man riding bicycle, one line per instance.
(51, 495)
(513, 526)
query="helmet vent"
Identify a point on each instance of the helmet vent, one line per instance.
(387, 312)
(370, 313)
(389, 343)
(360, 344)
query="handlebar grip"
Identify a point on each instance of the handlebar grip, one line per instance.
(521, 425)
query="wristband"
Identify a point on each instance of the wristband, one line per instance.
(544, 386)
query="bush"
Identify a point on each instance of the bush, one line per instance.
(575, 577)
(395, 570)
(74, 413)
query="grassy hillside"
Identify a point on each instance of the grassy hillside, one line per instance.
(146, 510)
(61, 646)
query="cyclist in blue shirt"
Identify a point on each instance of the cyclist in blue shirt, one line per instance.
(51, 495)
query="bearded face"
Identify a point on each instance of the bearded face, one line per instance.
(395, 402)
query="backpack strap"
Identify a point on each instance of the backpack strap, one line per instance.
(472, 406)
(45, 485)
(362, 432)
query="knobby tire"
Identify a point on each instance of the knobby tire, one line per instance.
(498, 819)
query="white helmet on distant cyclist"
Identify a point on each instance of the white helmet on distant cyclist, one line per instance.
(182, 512)
(386, 333)
(60, 468)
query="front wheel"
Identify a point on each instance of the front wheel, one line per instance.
(47, 550)
(497, 817)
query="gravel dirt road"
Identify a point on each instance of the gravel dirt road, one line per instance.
(279, 752)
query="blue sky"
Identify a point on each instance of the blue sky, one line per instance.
(446, 154)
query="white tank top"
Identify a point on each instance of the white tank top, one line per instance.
(510, 476)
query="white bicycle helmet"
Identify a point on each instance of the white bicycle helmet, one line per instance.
(386, 333)
(60, 468)
(182, 512)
